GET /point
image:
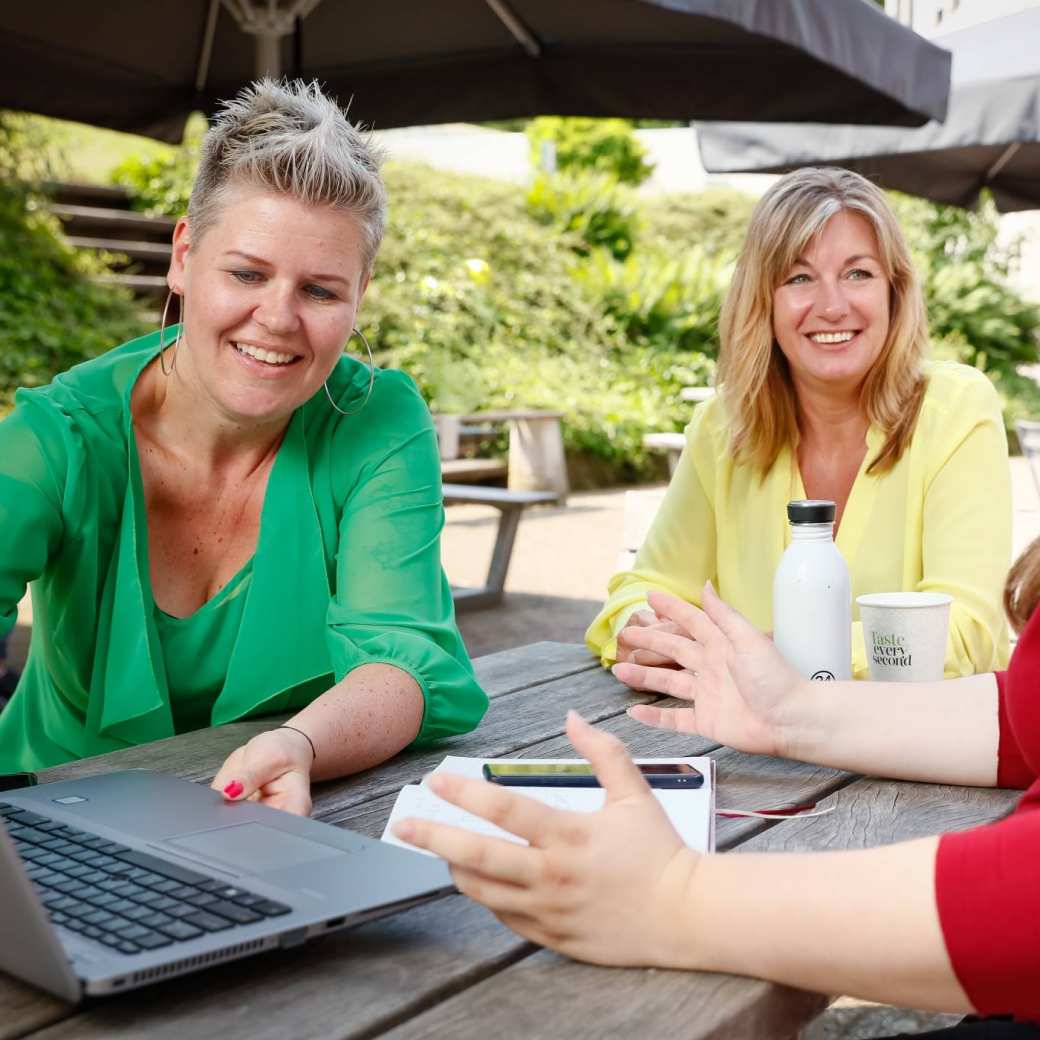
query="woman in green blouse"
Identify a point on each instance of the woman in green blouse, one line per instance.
(229, 517)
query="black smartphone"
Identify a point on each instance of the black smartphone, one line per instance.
(14, 781)
(580, 774)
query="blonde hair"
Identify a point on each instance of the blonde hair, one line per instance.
(288, 137)
(755, 381)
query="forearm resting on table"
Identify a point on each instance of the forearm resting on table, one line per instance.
(367, 717)
(862, 923)
(941, 732)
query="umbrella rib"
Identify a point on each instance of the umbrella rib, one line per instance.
(206, 51)
(508, 17)
(1006, 156)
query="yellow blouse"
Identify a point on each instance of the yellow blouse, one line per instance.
(939, 521)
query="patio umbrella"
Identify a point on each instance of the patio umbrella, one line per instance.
(991, 137)
(143, 67)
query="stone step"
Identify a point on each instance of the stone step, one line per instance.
(153, 252)
(78, 193)
(114, 223)
(152, 286)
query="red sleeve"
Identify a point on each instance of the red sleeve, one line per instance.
(988, 896)
(1012, 768)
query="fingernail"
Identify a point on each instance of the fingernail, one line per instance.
(234, 789)
(405, 830)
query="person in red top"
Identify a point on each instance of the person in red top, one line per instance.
(948, 923)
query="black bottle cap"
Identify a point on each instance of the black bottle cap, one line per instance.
(810, 511)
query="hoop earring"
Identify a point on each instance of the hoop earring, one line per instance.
(162, 336)
(371, 379)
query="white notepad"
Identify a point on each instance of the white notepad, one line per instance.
(692, 812)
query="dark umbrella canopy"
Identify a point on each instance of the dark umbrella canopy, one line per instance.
(991, 137)
(143, 66)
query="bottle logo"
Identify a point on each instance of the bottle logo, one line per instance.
(822, 676)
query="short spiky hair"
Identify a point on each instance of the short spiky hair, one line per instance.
(289, 137)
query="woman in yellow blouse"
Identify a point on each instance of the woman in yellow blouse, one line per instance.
(824, 393)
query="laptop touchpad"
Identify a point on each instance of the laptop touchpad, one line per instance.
(251, 848)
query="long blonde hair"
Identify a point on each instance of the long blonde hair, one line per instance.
(755, 381)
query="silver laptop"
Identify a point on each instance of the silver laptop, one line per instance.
(119, 880)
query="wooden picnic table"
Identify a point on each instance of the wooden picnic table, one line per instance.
(448, 968)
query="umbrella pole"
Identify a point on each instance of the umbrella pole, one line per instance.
(268, 59)
(1006, 156)
(269, 24)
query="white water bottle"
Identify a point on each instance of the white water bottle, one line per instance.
(812, 596)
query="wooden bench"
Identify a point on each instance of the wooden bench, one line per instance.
(673, 442)
(510, 505)
(536, 458)
(669, 442)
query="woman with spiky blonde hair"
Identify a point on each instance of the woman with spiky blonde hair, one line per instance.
(825, 393)
(231, 517)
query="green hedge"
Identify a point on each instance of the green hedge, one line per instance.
(577, 297)
(603, 146)
(53, 311)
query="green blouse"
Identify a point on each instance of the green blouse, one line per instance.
(346, 570)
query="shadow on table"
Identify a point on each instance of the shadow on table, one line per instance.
(526, 618)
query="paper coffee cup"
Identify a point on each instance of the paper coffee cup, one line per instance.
(905, 634)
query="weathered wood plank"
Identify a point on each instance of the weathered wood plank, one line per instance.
(878, 812)
(526, 666)
(449, 967)
(350, 984)
(548, 996)
(23, 1008)
(513, 722)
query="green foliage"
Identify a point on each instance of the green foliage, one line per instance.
(160, 184)
(714, 220)
(965, 270)
(606, 146)
(589, 210)
(492, 313)
(53, 311)
(582, 298)
(657, 301)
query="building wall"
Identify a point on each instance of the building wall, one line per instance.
(935, 17)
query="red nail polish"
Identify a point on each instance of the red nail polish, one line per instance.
(234, 789)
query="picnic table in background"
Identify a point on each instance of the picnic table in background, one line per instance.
(673, 442)
(448, 968)
(536, 474)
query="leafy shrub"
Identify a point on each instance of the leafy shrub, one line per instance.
(589, 210)
(606, 146)
(580, 299)
(714, 220)
(485, 313)
(160, 185)
(53, 311)
(965, 273)
(667, 303)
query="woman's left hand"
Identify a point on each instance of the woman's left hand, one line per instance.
(273, 768)
(602, 887)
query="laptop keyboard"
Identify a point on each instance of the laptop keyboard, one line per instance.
(128, 900)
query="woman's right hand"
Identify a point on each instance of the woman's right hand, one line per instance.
(743, 693)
